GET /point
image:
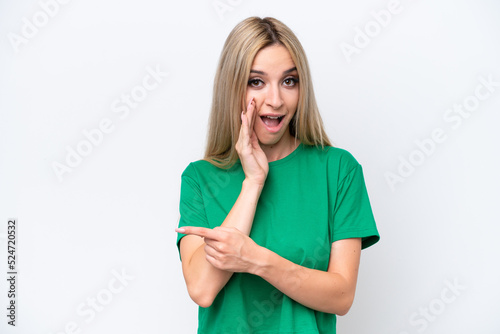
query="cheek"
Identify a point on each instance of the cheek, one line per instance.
(256, 94)
(292, 101)
(257, 98)
(248, 97)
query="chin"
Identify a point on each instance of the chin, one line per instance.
(268, 139)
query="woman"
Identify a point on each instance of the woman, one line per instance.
(274, 218)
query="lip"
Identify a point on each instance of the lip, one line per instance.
(271, 114)
(273, 129)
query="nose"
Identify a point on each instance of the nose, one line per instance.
(273, 97)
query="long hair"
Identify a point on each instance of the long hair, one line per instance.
(230, 84)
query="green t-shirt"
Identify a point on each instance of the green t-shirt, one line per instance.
(311, 198)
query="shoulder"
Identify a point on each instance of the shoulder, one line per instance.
(203, 169)
(194, 169)
(332, 157)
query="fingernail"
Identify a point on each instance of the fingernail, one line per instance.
(180, 230)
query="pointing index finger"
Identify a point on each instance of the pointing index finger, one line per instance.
(199, 231)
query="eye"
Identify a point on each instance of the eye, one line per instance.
(291, 81)
(255, 82)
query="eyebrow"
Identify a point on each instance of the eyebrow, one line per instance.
(264, 73)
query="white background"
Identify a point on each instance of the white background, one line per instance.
(117, 209)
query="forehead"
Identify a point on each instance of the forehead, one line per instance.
(273, 58)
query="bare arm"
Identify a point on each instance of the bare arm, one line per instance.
(203, 280)
(330, 291)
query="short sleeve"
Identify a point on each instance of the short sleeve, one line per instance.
(191, 206)
(352, 212)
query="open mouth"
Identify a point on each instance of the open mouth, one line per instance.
(272, 121)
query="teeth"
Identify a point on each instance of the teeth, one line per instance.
(273, 117)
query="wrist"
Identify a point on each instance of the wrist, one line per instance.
(252, 185)
(261, 261)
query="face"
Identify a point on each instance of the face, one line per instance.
(274, 85)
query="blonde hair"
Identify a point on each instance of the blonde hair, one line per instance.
(230, 84)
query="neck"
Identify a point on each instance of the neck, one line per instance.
(281, 149)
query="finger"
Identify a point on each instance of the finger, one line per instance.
(216, 263)
(211, 260)
(209, 250)
(248, 106)
(251, 114)
(199, 231)
(247, 113)
(243, 130)
(213, 251)
(250, 120)
(211, 243)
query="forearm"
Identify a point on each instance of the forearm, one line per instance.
(323, 291)
(243, 211)
(203, 280)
